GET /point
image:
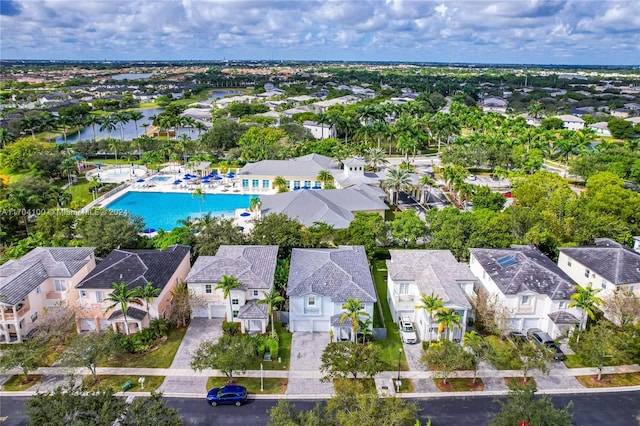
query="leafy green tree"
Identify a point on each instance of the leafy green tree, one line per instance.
(152, 410)
(552, 123)
(72, 405)
(26, 356)
(353, 310)
(344, 359)
(621, 128)
(522, 407)
(597, 346)
(258, 144)
(226, 284)
(105, 230)
(232, 353)
(121, 297)
(284, 414)
(280, 230)
(366, 229)
(445, 357)
(432, 303)
(272, 299)
(478, 348)
(485, 198)
(214, 232)
(533, 357)
(407, 227)
(88, 349)
(622, 306)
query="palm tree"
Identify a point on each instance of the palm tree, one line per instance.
(426, 181)
(92, 120)
(48, 122)
(65, 121)
(122, 296)
(108, 124)
(23, 200)
(586, 300)
(114, 145)
(30, 123)
(326, 178)
(376, 157)
(147, 293)
(254, 205)
(199, 192)
(448, 319)
(271, 299)
(353, 310)
(280, 183)
(431, 304)
(136, 116)
(121, 118)
(226, 284)
(397, 180)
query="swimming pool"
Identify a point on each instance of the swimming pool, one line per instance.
(160, 178)
(162, 210)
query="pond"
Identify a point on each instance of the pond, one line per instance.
(131, 76)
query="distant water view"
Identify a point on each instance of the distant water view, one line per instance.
(162, 210)
(131, 76)
(130, 127)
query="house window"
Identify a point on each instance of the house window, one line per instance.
(586, 273)
(296, 184)
(83, 293)
(255, 293)
(288, 184)
(255, 183)
(311, 301)
(235, 301)
(265, 183)
(235, 314)
(34, 317)
(99, 296)
(59, 285)
(568, 262)
(604, 284)
(207, 288)
(317, 184)
(38, 290)
(562, 305)
(307, 183)
(403, 288)
(525, 300)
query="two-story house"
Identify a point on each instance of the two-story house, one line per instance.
(164, 269)
(253, 266)
(41, 279)
(412, 273)
(320, 283)
(607, 265)
(535, 291)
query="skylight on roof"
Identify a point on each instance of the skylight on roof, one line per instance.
(506, 261)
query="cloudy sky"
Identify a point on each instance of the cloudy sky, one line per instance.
(508, 31)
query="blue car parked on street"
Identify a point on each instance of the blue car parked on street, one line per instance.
(228, 394)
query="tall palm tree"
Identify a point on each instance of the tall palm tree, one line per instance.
(431, 304)
(254, 205)
(200, 194)
(48, 122)
(353, 310)
(376, 157)
(65, 121)
(226, 284)
(121, 118)
(586, 300)
(397, 180)
(271, 299)
(30, 123)
(92, 120)
(426, 181)
(114, 145)
(136, 116)
(122, 296)
(326, 178)
(147, 293)
(448, 319)
(280, 183)
(23, 200)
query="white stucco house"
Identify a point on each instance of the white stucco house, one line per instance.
(531, 286)
(412, 273)
(320, 131)
(321, 281)
(253, 266)
(45, 278)
(494, 104)
(607, 265)
(571, 122)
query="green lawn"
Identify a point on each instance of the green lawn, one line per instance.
(151, 383)
(459, 385)
(15, 383)
(506, 357)
(610, 380)
(284, 352)
(514, 382)
(81, 192)
(270, 385)
(160, 357)
(389, 348)
(575, 361)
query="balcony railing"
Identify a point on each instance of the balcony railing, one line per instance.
(54, 295)
(23, 309)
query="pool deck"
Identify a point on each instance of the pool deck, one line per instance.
(226, 186)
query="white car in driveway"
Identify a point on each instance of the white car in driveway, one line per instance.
(407, 331)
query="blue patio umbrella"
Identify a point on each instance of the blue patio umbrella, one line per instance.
(206, 181)
(149, 230)
(230, 175)
(217, 178)
(186, 177)
(140, 180)
(245, 214)
(176, 182)
(316, 187)
(305, 187)
(240, 228)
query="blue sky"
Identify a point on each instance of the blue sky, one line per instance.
(599, 32)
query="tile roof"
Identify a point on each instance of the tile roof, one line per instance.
(20, 277)
(613, 261)
(531, 271)
(335, 320)
(562, 317)
(332, 206)
(134, 313)
(308, 165)
(136, 268)
(340, 273)
(253, 266)
(253, 310)
(434, 272)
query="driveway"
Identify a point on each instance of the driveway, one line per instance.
(199, 329)
(306, 353)
(413, 353)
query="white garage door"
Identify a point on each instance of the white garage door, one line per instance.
(87, 325)
(301, 326)
(321, 326)
(201, 313)
(530, 323)
(218, 311)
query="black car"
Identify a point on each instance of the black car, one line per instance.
(518, 337)
(539, 337)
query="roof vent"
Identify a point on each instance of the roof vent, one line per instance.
(506, 261)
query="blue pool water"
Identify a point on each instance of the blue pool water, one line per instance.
(162, 210)
(160, 178)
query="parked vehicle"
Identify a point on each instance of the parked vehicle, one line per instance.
(407, 331)
(507, 194)
(228, 394)
(518, 337)
(539, 337)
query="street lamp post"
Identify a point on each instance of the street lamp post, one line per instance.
(399, 382)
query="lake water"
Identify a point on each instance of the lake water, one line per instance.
(162, 210)
(131, 76)
(129, 129)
